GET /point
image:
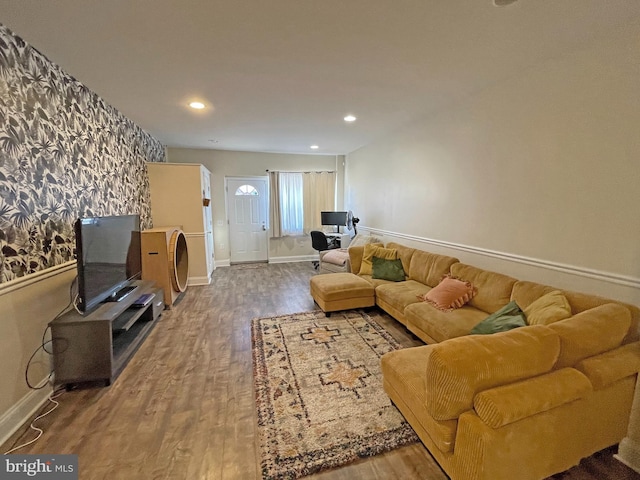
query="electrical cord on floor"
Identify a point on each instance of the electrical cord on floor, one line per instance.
(52, 399)
(45, 381)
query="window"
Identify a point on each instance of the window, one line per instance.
(246, 190)
(297, 199)
(291, 203)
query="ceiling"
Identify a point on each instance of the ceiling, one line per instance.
(280, 75)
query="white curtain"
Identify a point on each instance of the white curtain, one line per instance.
(297, 200)
(319, 192)
(291, 203)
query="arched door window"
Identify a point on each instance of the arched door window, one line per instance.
(246, 190)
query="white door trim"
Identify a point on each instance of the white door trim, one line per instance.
(247, 179)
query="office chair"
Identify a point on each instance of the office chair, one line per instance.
(320, 243)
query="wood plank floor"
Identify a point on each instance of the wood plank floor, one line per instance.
(184, 407)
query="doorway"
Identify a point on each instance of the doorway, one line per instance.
(247, 207)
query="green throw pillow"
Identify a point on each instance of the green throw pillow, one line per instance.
(508, 317)
(387, 269)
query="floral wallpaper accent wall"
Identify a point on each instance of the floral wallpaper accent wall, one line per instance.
(64, 153)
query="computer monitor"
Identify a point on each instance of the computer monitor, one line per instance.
(337, 219)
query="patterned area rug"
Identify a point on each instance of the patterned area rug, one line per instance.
(319, 392)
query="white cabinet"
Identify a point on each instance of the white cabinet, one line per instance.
(181, 196)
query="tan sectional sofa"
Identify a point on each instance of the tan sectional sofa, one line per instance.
(526, 403)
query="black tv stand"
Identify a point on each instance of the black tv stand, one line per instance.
(120, 294)
(96, 347)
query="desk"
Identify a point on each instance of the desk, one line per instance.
(341, 240)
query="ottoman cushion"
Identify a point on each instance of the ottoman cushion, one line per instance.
(341, 291)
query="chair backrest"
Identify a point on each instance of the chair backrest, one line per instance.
(319, 241)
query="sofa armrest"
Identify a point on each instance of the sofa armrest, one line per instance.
(503, 405)
(461, 367)
(611, 366)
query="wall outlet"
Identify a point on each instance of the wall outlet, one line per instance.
(222, 245)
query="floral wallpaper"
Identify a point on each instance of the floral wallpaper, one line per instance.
(64, 153)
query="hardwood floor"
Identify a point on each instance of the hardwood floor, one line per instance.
(184, 407)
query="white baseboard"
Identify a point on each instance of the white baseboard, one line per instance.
(288, 259)
(629, 454)
(193, 281)
(22, 411)
(293, 259)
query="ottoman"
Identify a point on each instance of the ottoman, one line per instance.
(341, 291)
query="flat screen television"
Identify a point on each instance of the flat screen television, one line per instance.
(338, 219)
(109, 258)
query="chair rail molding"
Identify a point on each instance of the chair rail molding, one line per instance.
(39, 276)
(600, 275)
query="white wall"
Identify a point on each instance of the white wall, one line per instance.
(223, 163)
(542, 166)
(27, 305)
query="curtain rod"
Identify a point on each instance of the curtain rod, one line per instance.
(298, 171)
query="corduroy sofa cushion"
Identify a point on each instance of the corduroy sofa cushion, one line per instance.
(403, 371)
(494, 289)
(509, 403)
(611, 366)
(423, 318)
(429, 268)
(401, 294)
(404, 253)
(339, 286)
(461, 367)
(591, 332)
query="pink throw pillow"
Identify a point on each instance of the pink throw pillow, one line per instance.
(450, 293)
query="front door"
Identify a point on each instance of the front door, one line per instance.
(247, 207)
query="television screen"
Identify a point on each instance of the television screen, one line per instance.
(333, 218)
(109, 257)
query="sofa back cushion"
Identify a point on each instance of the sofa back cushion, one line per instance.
(591, 332)
(581, 302)
(459, 368)
(404, 253)
(524, 293)
(494, 289)
(609, 367)
(429, 268)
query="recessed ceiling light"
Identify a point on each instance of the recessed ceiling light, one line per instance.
(503, 3)
(197, 105)
(349, 118)
(314, 147)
